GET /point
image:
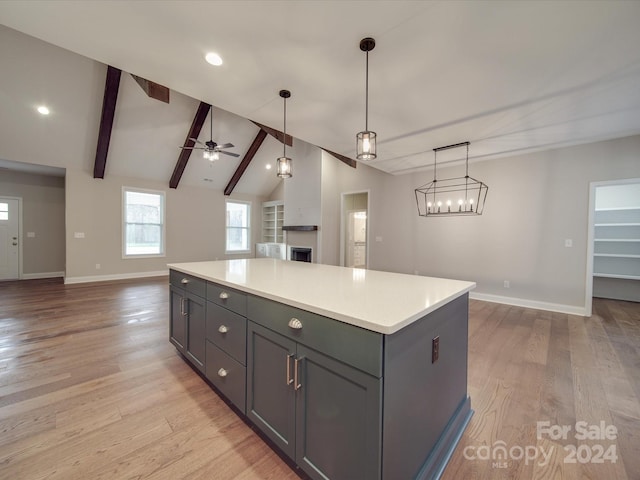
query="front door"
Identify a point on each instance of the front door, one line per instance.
(9, 239)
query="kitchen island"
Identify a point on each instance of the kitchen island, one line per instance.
(352, 374)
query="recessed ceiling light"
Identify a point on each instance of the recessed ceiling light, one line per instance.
(268, 166)
(213, 58)
(43, 110)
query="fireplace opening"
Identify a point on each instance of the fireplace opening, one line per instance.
(300, 254)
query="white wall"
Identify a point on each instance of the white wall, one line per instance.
(535, 202)
(195, 226)
(302, 192)
(43, 207)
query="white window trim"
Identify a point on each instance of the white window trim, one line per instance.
(163, 248)
(237, 252)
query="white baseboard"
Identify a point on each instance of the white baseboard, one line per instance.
(117, 276)
(36, 276)
(523, 302)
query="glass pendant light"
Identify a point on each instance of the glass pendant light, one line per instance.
(366, 140)
(284, 162)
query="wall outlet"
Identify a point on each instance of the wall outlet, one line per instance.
(568, 243)
(78, 234)
(378, 239)
(97, 266)
(507, 284)
(31, 234)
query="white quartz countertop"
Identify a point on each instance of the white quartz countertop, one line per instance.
(383, 302)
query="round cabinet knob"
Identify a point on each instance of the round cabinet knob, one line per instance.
(184, 281)
(223, 329)
(222, 373)
(295, 323)
(224, 295)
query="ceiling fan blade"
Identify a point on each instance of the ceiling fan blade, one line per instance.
(196, 140)
(229, 153)
(192, 148)
(226, 145)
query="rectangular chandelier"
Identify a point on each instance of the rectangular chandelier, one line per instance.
(451, 196)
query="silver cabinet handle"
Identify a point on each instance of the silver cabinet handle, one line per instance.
(224, 295)
(183, 306)
(223, 329)
(296, 367)
(222, 373)
(295, 323)
(184, 281)
(289, 379)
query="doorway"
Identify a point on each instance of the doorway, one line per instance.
(10, 222)
(613, 243)
(354, 230)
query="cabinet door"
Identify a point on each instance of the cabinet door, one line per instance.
(270, 393)
(178, 321)
(338, 419)
(196, 330)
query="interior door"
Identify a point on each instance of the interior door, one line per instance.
(9, 238)
(356, 239)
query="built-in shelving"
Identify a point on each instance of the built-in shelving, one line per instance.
(272, 221)
(617, 243)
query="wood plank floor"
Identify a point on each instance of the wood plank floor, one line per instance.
(90, 388)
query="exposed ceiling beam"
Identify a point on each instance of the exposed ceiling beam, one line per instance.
(152, 89)
(253, 149)
(194, 131)
(111, 87)
(349, 161)
(277, 134)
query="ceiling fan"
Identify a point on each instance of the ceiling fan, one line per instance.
(211, 150)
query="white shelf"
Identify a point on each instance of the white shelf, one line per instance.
(611, 275)
(616, 239)
(617, 243)
(272, 220)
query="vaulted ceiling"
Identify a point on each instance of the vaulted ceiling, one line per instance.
(510, 77)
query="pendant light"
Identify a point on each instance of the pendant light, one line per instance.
(366, 140)
(284, 162)
(458, 196)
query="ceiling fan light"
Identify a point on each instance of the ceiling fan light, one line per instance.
(284, 167)
(366, 145)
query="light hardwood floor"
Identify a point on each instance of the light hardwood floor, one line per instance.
(90, 388)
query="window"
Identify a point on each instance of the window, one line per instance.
(238, 226)
(143, 229)
(4, 211)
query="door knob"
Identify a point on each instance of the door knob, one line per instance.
(15, 243)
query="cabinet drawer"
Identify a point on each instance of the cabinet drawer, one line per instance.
(227, 375)
(352, 345)
(191, 284)
(234, 300)
(228, 331)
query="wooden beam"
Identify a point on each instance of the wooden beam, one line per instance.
(253, 149)
(349, 161)
(152, 89)
(277, 134)
(111, 87)
(194, 131)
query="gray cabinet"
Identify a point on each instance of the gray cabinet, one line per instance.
(226, 342)
(188, 313)
(321, 412)
(340, 401)
(178, 321)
